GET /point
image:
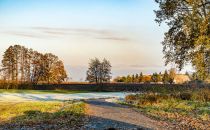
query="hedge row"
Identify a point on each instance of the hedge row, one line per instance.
(104, 87)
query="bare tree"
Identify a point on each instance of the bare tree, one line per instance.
(99, 72)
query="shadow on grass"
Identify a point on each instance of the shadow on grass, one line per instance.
(103, 103)
(63, 120)
(44, 120)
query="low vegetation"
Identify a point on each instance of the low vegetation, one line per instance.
(187, 109)
(41, 115)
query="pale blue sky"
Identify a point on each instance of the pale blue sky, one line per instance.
(123, 31)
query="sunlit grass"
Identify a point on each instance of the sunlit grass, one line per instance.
(39, 112)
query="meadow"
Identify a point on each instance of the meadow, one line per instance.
(41, 115)
(188, 109)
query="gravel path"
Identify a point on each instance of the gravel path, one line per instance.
(106, 115)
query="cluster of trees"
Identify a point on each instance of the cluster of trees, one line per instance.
(21, 64)
(166, 77)
(188, 37)
(99, 71)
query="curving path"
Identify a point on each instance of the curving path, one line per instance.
(102, 114)
(106, 115)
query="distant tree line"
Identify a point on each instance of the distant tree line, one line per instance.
(166, 77)
(21, 64)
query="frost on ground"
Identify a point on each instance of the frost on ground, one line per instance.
(21, 97)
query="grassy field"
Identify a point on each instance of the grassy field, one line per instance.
(187, 109)
(48, 115)
(40, 91)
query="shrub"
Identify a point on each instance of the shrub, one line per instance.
(15, 85)
(185, 96)
(202, 95)
(175, 95)
(130, 98)
(150, 99)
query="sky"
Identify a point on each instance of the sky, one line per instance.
(122, 31)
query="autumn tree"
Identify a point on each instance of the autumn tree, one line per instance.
(133, 78)
(136, 78)
(37, 67)
(25, 65)
(51, 65)
(154, 77)
(99, 72)
(188, 37)
(159, 77)
(171, 76)
(58, 73)
(140, 79)
(165, 77)
(128, 79)
(118, 79)
(8, 63)
(147, 79)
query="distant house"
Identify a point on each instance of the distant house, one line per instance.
(181, 78)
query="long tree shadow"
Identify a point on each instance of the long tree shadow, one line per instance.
(33, 97)
(103, 103)
(63, 120)
(34, 119)
(98, 123)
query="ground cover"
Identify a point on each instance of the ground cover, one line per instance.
(41, 115)
(187, 109)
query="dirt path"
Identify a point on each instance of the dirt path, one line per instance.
(105, 115)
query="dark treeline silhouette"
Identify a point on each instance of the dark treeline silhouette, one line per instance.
(20, 64)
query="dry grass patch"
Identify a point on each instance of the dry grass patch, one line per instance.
(189, 109)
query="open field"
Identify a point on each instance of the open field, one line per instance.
(41, 115)
(45, 109)
(186, 109)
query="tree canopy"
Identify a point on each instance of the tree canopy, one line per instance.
(188, 37)
(99, 72)
(21, 64)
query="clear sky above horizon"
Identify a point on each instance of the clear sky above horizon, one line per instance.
(123, 31)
